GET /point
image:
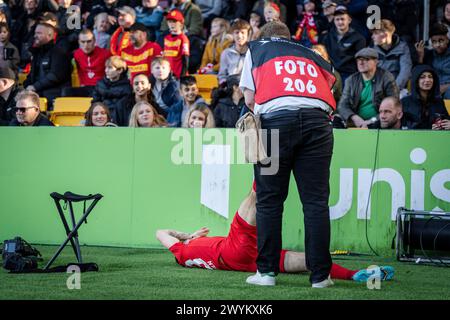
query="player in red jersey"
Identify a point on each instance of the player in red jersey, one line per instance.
(176, 44)
(238, 251)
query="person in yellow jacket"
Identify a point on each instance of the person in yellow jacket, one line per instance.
(218, 41)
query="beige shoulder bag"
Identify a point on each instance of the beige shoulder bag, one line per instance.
(250, 136)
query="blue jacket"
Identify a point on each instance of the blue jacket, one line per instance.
(152, 19)
(174, 116)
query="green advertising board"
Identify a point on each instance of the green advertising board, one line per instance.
(152, 179)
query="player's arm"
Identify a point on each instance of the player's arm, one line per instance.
(169, 237)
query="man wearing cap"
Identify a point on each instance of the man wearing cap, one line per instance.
(28, 112)
(342, 43)
(140, 53)
(120, 39)
(328, 9)
(50, 66)
(8, 91)
(365, 89)
(192, 14)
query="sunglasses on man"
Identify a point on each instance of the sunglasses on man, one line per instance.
(23, 109)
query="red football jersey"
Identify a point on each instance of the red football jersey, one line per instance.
(175, 47)
(140, 60)
(202, 252)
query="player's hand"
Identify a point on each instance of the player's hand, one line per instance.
(444, 125)
(200, 233)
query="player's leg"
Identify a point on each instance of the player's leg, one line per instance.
(247, 209)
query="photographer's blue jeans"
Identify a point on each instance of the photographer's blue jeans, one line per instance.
(305, 147)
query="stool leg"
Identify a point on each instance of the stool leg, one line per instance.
(75, 237)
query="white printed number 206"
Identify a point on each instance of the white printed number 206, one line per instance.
(299, 85)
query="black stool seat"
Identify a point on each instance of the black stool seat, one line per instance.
(70, 196)
(72, 232)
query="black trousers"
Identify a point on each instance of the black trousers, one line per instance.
(305, 146)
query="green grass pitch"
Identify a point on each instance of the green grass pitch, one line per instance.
(153, 274)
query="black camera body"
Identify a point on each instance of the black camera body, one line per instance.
(18, 255)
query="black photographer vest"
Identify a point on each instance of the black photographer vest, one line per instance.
(283, 68)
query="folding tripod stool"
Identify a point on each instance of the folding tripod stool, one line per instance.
(72, 234)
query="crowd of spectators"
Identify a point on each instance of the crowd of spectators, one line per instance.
(136, 59)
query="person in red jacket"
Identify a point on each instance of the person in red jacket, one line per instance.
(90, 59)
(176, 44)
(140, 54)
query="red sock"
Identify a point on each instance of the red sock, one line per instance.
(339, 272)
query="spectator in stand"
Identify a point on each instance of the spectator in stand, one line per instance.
(310, 25)
(192, 17)
(50, 67)
(144, 115)
(101, 28)
(121, 37)
(271, 11)
(210, 10)
(110, 7)
(23, 27)
(8, 92)
(228, 109)
(393, 53)
(66, 18)
(438, 57)
(232, 58)
(98, 115)
(424, 107)
(142, 90)
(150, 14)
(218, 41)
(365, 89)
(259, 5)
(115, 91)
(199, 116)
(391, 115)
(446, 17)
(343, 42)
(163, 84)
(9, 55)
(27, 110)
(140, 53)
(176, 44)
(255, 23)
(190, 97)
(328, 7)
(90, 61)
(337, 88)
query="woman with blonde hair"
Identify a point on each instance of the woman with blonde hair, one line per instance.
(144, 115)
(218, 41)
(199, 116)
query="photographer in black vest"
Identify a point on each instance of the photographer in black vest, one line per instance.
(289, 87)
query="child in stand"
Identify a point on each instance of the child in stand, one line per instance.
(101, 27)
(217, 42)
(255, 22)
(176, 44)
(9, 55)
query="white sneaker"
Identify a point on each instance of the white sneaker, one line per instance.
(323, 284)
(261, 280)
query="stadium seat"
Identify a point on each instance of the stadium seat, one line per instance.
(43, 104)
(22, 78)
(206, 83)
(69, 111)
(447, 105)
